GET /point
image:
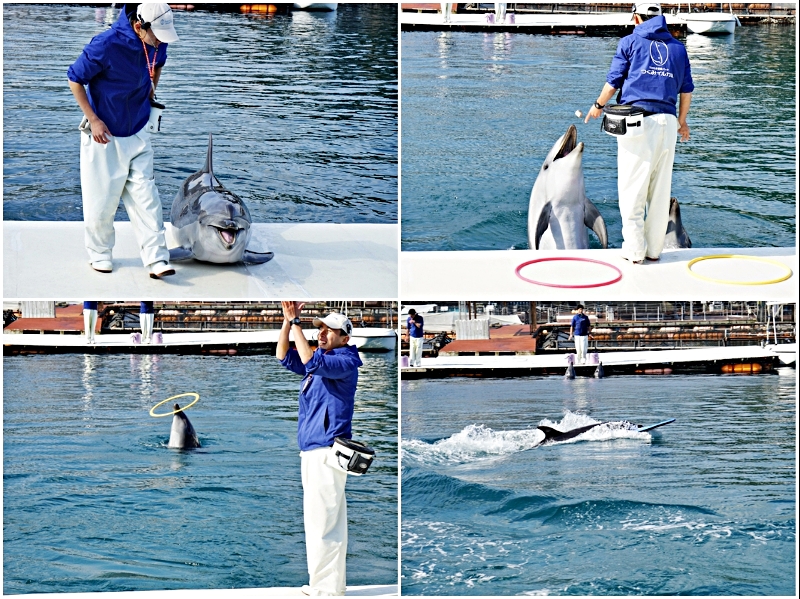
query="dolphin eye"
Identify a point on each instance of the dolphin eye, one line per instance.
(546, 166)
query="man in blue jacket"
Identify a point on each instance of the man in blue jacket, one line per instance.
(416, 335)
(580, 329)
(327, 400)
(651, 69)
(121, 67)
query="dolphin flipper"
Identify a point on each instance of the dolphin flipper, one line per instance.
(594, 220)
(541, 226)
(257, 257)
(179, 253)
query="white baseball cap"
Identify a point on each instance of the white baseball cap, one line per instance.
(334, 320)
(159, 18)
(649, 9)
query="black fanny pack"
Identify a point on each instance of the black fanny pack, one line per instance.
(358, 456)
(623, 119)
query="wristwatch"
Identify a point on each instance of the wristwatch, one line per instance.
(599, 106)
(294, 321)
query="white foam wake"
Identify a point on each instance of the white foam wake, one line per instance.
(478, 441)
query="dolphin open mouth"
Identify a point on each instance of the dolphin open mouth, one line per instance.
(228, 236)
(569, 143)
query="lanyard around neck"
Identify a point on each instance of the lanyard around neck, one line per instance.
(151, 67)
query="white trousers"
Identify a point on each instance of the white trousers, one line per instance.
(644, 183)
(89, 323)
(581, 347)
(146, 322)
(325, 519)
(122, 168)
(500, 11)
(415, 351)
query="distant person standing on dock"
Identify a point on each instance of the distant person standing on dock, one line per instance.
(652, 71)
(327, 402)
(146, 319)
(416, 335)
(121, 68)
(89, 320)
(580, 329)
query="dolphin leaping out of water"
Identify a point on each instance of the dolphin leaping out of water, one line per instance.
(559, 211)
(182, 435)
(548, 434)
(212, 224)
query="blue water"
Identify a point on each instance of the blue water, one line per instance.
(481, 111)
(93, 500)
(303, 109)
(706, 506)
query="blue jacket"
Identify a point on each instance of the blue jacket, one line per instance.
(146, 308)
(415, 325)
(90, 305)
(580, 325)
(327, 395)
(114, 67)
(651, 67)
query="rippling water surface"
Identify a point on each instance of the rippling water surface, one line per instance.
(706, 506)
(303, 109)
(481, 111)
(93, 500)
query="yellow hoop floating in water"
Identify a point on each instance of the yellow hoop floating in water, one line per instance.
(186, 407)
(742, 257)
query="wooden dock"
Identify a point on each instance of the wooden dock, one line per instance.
(43, 259)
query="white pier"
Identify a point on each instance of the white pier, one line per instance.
(700, 359)
(44, 259)
(365, 339)
(469, 274)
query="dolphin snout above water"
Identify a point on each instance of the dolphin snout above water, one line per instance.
(182, 435)
(211, 223)
(676, 236)
(559, 211)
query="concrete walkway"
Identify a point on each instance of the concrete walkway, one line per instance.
(43, 259)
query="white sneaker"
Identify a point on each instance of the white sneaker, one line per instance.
(102, 266)
(161, 269)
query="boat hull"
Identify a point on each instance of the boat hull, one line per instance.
(709, 23)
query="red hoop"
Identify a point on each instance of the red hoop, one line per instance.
(573, 259)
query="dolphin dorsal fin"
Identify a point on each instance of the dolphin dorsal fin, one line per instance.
(207, 167)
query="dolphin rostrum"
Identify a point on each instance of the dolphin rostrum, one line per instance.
(211, 223)
(182, 434)
(559, 211)
(676, 236)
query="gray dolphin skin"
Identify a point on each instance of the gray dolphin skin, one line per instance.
(552, 435)
(559, 211)
(212, 224)
(676, 236)
(182, 435)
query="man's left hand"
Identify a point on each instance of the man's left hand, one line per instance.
(683, 130)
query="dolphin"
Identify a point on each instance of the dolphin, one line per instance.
(553, 435)
(570, 373)
(212, 224)
(676, 236)
(599, 372)
(559, 211)
(182, 434)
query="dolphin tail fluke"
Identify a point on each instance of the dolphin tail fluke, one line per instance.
(594, 220)
(541, 226)
(257, 257)
(207, 168)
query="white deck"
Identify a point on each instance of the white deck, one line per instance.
(565, 20)
(468, 275)
(44, 259)
(386, 590)
(366, 338)
(618, 358)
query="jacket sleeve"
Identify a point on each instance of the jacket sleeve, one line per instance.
(687, 85)
(332, 365)
(293, 362)
(620, 64)
(89, 64)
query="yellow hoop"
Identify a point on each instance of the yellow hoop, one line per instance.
(186, 407)
(742, 257)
